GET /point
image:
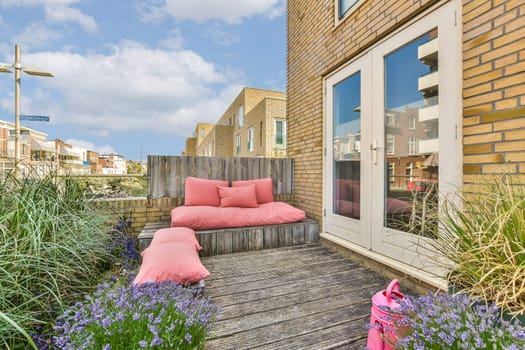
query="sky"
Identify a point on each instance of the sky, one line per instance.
(133, 77)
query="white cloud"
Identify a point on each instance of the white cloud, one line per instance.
(36, 35)
(57, 11)
(220, 36)
(228, 11)
(61, 14)
(174, 41)
(105, 149)
(135, 89)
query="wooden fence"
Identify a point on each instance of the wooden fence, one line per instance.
(167, 174)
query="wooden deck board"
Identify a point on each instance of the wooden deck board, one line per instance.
(298, 297)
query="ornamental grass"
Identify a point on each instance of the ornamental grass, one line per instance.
(483, 237)
(53, 249)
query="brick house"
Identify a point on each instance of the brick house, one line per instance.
(393, 104)
(254, 125)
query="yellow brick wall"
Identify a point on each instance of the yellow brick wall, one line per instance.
(275, 110)
(316, 47)
(219, 140)
(139, 210)
(493, 89)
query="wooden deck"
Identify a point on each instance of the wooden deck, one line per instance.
(299, 297)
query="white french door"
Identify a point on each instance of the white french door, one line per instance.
(389, 115)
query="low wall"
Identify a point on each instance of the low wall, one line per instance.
(139, 211)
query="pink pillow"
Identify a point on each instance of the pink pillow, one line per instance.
(263, 188)
(202, 191)
(243, 197)
(175, 234)
(174, 261)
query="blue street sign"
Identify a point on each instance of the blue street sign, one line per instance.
(34, 118)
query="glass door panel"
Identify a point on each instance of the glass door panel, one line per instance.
(411, 129)
(347, 147)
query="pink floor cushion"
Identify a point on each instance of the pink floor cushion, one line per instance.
(172, 261)
(176, 234)
(207, 217)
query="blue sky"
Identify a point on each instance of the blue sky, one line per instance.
(134, 76)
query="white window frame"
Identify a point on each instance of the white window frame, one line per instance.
(283, 144)
(352, 9)
(412, 122)
(240, 116)
(250, 139)
(412, 145)
(238, 143)
(390, 140)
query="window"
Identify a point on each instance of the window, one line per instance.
(203, 133)
(250, 139)
(412, 122)
(409, 173)
(238, 143)
(241, 116)
(280, 133)
(390, 140)
(391, 172)
(345, 7)
(261, 134)
(412, 145)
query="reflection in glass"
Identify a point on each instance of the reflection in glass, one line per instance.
(347, 147)
(411, 124)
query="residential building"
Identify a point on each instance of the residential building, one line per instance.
(190, 148)
(92, 159)
(254, 123)
(35, 152)
(383, 94)
(71, 159)
(112, 164)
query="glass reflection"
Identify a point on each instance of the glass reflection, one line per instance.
(411, 124)
(347, 147)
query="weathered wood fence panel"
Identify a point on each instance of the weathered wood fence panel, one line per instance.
(167, 174)
(243, 239)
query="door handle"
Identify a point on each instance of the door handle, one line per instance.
(374, 148)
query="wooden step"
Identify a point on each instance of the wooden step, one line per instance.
(241, 239)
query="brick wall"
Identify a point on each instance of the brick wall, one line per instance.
(493, 88)
(275, 110)
(315, 48)
(139, 211)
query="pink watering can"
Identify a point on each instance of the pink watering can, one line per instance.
(381, 335)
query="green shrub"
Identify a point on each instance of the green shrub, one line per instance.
(53, 248)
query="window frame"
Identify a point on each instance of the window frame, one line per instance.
(341, 17)
(238, 143)
(240, 116)
(283, 133)
(251, 139)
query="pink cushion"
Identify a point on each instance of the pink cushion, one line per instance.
(263, 188)
(174, 261)
(206, 218)
(175, 234)
(202, 191)
(243, 197)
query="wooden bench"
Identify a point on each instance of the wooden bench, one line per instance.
(232, 240)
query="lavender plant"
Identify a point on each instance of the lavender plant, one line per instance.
(151, 316)
(455, 322)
